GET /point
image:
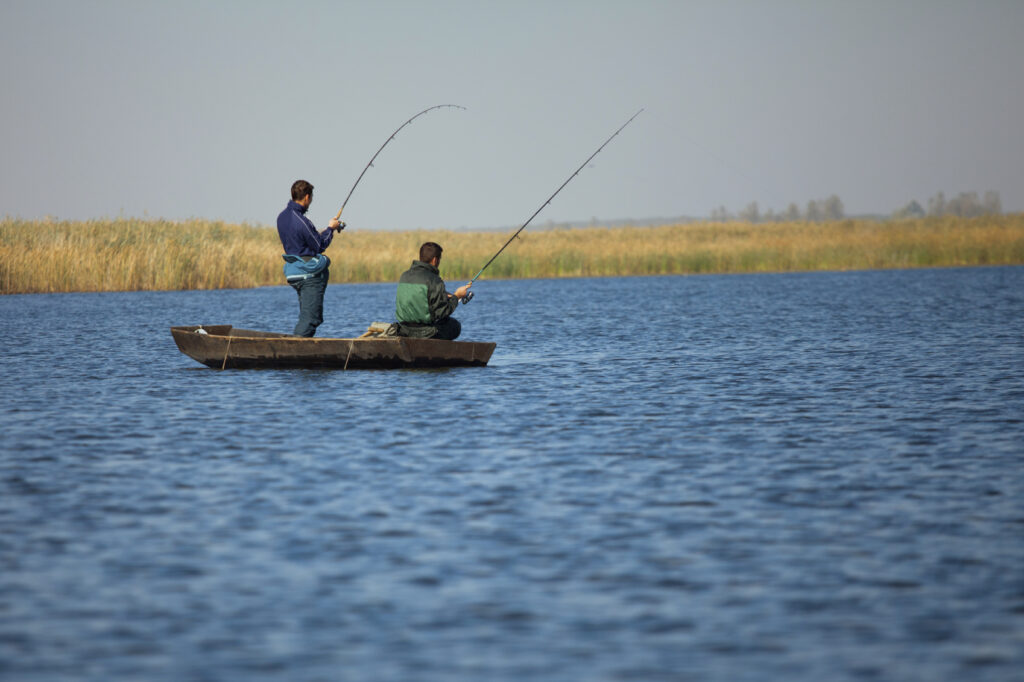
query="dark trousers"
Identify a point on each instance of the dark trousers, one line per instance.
(447, 329)
(311, 302)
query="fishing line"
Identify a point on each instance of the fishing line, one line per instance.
(469, 294)
(372, 159)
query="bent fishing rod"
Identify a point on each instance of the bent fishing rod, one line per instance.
(374, 158)
(469, 294)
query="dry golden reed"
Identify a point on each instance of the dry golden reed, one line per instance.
(132, 255)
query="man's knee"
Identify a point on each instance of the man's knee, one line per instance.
(307, 324)
(449, 330)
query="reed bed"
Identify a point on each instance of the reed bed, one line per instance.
(133, 255)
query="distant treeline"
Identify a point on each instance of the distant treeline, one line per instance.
(963, 205)
(136, 255)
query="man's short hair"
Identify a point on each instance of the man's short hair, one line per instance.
(429, 251)
(301, 188)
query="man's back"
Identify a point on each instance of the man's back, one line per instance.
(299, 237)
(421, 298)
(423, 307)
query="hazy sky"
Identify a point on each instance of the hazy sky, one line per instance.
(211, 109)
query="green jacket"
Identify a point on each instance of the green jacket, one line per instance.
(421, 297)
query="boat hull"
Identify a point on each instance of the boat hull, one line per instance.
(225, 347)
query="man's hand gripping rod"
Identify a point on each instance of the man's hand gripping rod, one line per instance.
(469, 294)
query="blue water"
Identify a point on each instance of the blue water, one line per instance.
(799, 477)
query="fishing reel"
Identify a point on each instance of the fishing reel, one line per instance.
(468, 297)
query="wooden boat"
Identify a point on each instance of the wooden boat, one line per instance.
(222, 346)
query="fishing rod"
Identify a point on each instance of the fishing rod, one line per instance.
(469, 294)
(374, 158)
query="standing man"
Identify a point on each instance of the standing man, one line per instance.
(305, 265)
(422, 305)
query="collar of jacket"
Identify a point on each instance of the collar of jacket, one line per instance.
(425, 266)
(296, 206)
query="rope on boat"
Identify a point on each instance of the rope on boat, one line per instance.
(226, 350)
(351, 344)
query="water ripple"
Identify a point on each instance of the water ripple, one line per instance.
(784, 476)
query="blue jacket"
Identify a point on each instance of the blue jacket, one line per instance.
(297, 270)
(298, 236)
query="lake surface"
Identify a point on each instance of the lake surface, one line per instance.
(789, 477)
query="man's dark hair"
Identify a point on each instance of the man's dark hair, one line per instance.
(429, 251)
(301, 188)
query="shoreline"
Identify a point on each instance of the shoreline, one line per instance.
(555, 277)
(154, 255)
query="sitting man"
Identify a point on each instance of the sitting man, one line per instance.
(422, 305)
